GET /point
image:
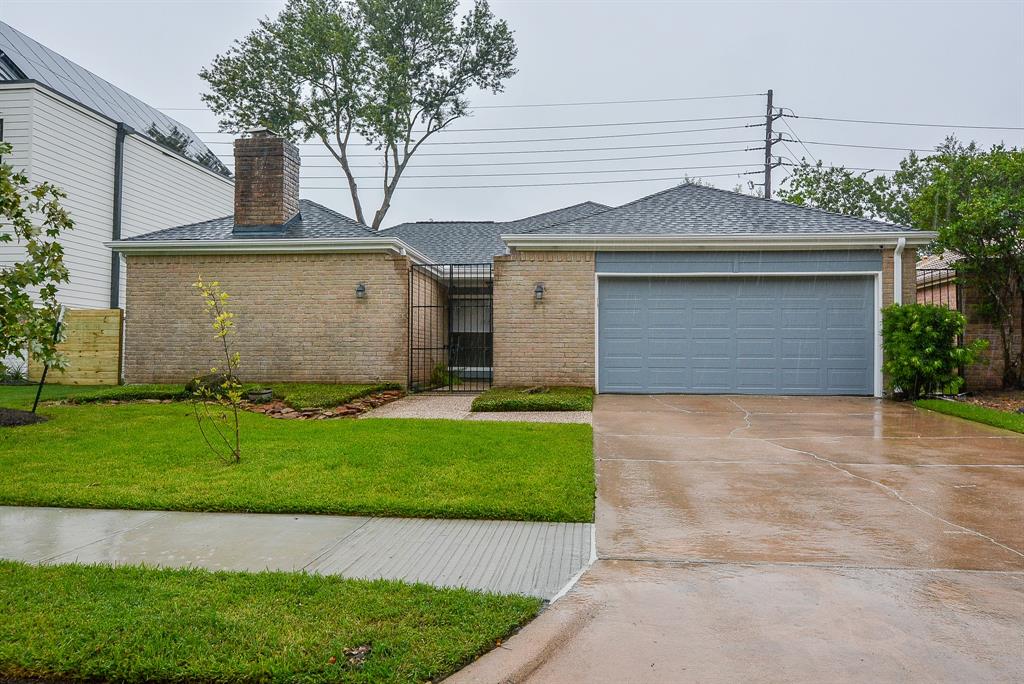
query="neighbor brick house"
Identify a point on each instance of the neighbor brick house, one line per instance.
(692, 289)
(937, 284)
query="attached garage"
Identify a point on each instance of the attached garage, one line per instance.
(738, 323)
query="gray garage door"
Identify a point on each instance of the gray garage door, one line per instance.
(744, 335)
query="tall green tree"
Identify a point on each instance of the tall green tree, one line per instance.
(973, 198)
(391, 72)
(32, 217)
(976, 203)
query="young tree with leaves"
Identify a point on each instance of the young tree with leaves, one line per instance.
(32, 217)
(391, 72)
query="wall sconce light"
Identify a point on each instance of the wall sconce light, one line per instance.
(361, 290)
(538, 292)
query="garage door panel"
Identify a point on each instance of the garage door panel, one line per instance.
(796, 335)
(802, 379)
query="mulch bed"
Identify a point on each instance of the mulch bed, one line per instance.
(278, 409)
(1012, 401)
(14, 417)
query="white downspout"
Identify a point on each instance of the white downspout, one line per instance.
(897, 271)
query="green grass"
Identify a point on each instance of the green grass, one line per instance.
(139, 624)
(151, 456)
(551, 399)
(979, 414)
(21, 396)
(298, 395)
(311, 395)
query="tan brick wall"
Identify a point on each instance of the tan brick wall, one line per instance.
(550, 342)
(987, 373)
(429, 325)
(297, 317)
(909, 276)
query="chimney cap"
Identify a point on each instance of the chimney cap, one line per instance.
(261, 132)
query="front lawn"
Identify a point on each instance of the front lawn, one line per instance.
(533, 399)
(151, 456)
(979, 414)
(136, 624)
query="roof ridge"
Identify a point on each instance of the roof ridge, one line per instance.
(776, 202)
(332, 212)
(555, 211)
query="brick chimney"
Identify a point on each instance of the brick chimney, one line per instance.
(266, 181)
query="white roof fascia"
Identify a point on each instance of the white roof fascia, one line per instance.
(691, 242)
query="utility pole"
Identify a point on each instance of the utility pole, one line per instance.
(769, 139)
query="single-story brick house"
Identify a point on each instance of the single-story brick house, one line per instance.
(691, 289)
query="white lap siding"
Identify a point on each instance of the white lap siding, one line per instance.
(61, 142)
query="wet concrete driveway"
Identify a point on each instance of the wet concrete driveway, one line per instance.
(790, 539)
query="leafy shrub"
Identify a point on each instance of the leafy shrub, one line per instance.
(441, 377)
(921, 350)
(13, 373)
(534, 399)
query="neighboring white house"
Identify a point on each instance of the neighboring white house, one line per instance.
(96, 142)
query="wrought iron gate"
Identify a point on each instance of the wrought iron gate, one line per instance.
(451, 343)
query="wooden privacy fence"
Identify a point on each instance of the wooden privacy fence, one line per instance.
(92, 346)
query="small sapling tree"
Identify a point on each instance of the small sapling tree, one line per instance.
(217, 396)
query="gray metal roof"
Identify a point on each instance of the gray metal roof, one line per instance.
(690, 209)
(472, 242)
(315, 221)
(39, 63)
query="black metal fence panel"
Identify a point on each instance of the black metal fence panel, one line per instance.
(451, 340)
(939, 286)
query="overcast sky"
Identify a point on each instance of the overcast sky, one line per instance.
(934, 62)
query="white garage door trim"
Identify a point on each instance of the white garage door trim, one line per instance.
(877, 275)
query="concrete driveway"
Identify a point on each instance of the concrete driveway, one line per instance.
(789, 539)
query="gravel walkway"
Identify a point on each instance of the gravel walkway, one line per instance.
(457, 407)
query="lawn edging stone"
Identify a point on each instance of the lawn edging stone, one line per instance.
(280, 409)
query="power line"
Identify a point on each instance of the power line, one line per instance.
(849, 168)
(554, 104)
(545, 161)
(552, 185)
(527, 140)
(559, 151)
(786, 123)
(543, 173)
(548, 127)
(866, 147)
(906, 123)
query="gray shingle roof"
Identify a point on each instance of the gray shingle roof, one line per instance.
(39, 63)
(698, 210)
(315, 221)
(471, 242)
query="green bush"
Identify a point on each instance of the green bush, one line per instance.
(440, 376)
(921, 350)
(536, 399)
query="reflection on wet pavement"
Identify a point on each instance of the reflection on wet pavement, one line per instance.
(790, 539)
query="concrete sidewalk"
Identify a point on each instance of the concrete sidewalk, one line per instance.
(457, 406)
(535, 559)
